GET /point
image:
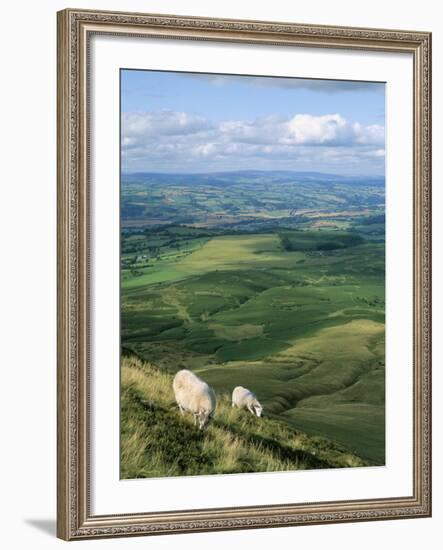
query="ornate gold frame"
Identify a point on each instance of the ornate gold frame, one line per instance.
(74, 520)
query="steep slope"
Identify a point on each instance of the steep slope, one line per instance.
(157, 441)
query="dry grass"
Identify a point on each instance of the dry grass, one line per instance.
(156, 441)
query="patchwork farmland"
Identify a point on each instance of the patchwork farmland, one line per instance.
(273, 281)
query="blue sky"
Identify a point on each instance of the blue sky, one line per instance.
(189, 122)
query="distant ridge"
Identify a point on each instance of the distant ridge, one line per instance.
(275, 174)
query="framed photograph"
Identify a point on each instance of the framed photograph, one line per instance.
(243, 274)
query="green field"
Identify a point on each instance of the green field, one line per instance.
(289, 308)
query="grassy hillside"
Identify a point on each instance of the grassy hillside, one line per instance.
(303, 328)
(157, 441)
(273, 281)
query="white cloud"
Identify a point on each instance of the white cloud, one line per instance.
(169, 140)
(373, 134)
(303, 129)
(332, 129)
(146, 125)
(317, 130)
(205, 150)
(262, 130)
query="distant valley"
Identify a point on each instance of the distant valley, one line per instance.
(271, 280)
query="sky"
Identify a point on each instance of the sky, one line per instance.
(190, 122)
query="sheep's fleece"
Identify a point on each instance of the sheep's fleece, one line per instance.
(245, 399)
(195, 396)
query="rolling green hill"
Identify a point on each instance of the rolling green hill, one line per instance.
(157, 441)
(289, 305)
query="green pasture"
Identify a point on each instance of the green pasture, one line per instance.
(296, 316)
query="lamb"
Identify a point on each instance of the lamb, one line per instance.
(195, 396)
(245, 399)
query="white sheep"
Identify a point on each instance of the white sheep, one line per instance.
(194, 396)
(245, 399)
